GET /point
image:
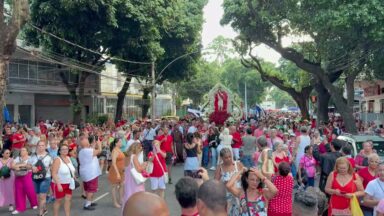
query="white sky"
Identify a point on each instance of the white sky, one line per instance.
(213, 12)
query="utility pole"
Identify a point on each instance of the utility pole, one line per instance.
(153, 99)
(246, 100)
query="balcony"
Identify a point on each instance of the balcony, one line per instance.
(40, 77)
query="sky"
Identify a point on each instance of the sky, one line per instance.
(212, 28)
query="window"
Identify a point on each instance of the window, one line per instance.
(364, 106)
(371, 105)
(23, 69)
(382, 106)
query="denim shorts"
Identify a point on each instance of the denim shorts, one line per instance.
(42, 187)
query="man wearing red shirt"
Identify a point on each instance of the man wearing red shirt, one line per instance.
(236, 142)
(166, 145)
(18, 142)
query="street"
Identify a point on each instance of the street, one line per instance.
(103, 199)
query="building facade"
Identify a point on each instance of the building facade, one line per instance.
(372, 100)
(35, 90)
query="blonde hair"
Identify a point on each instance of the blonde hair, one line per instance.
(156, 143)
(134, 149)
(373, 156)
(342, 160)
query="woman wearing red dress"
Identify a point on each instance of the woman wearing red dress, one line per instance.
(279, 156)
(342, 184)
(281, 204)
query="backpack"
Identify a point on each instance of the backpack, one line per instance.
(40, 175)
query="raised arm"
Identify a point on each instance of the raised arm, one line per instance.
(231, 185)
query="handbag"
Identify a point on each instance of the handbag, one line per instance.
(5, 171)
(138, 177)
(73, 184)
(166, 178)
(355, 207)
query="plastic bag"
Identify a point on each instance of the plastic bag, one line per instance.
(355, 207)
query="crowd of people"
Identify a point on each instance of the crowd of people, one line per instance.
(274, 166)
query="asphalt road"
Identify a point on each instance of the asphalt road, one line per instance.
(104, 200)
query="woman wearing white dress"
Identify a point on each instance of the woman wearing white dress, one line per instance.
(225, 142)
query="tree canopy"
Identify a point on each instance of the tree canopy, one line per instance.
(340, 36)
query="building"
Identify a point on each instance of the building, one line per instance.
(35, 90)
(372, 100)
(111, 82)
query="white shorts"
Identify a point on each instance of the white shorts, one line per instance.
(157, 183)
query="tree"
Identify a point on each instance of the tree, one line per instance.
(85, 23)
(288, 79)
(221, 48)
(199, 84)
(282, 98)
(137, 36)
(181, 41)
(342, 36)
(235, 76)
(10, 28)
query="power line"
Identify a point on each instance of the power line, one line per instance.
(84, 48)
(47, 59)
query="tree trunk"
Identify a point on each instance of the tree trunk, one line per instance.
(350, 88)
(146, 102)
(3, 87)
(121, 98)
(9, 30)
(79, 103)
(76, 107)
(323, 98)
(301, 100)
(340, 103)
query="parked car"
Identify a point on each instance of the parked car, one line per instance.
(356, 141)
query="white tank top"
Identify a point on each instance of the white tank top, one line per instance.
(304, 141)
(64, 172)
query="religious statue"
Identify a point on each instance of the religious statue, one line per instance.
(221, 101)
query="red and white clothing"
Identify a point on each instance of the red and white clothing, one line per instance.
(159, 169)
(159, 166)
(281, 204)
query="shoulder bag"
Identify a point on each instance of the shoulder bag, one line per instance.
(162, 168)
(138, 177)
(74, 183)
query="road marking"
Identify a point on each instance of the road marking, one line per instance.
(100, 197)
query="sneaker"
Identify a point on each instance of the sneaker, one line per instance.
(89, 208)
(11, 208)
(93, 204)
(34, 207)
(212, 168)
(15, 212)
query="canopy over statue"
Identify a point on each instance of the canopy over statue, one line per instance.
(222, 105)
